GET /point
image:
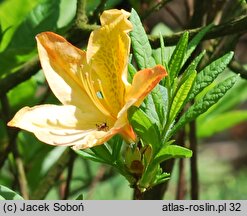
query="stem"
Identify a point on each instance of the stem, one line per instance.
(193, 162)
(69, 176)
(81, 16)
(181, 177)
(21, 175)
(158, 191)
(138, 195)
(181, 181)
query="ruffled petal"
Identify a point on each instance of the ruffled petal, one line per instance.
(143, 83)
(107, 55)
(62, 64)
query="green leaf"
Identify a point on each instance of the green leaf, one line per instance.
(144, 127)
(157, 105)
(116, 144)
(89, 155)
(162, 49)
(230, 100)
(181, 95)
(67, 12)
(161, 178)
(50, 159)
(141, 47)
(177, 57)
(159, 53)
(132, 71)
(23, 94)
(8, 194)
(202, 105)
(80, 197)
(18, 13)
(43, 17)
(209, 73)
(172, 151)
(103, 152)
(220, 123)
(196, 40)
(192, 67)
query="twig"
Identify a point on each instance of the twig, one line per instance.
(181, 178)
(21, 176)
(24, 73)
(235, 26)
(81, 16)
(69, 176)
(31, 67)
(51, 177)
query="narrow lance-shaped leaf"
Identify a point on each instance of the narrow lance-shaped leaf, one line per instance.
(141, 47)
(162, 56)
(162, 47)
(209, 73)
(177, 57)
(230, 101)
(172, 151)
(116, 144)
(192, 67)
(89, 155)
(102, 151)
(181, 96)
(144, 128)
(202, 105)
(220, 122)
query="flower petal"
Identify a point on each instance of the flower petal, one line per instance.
(62, 125)
(143, 82)
(107, 54)
(55, 117)
(62, 64)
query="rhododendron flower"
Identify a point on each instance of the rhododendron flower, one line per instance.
(92, 87)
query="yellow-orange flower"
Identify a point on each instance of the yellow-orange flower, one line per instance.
(92, 87)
